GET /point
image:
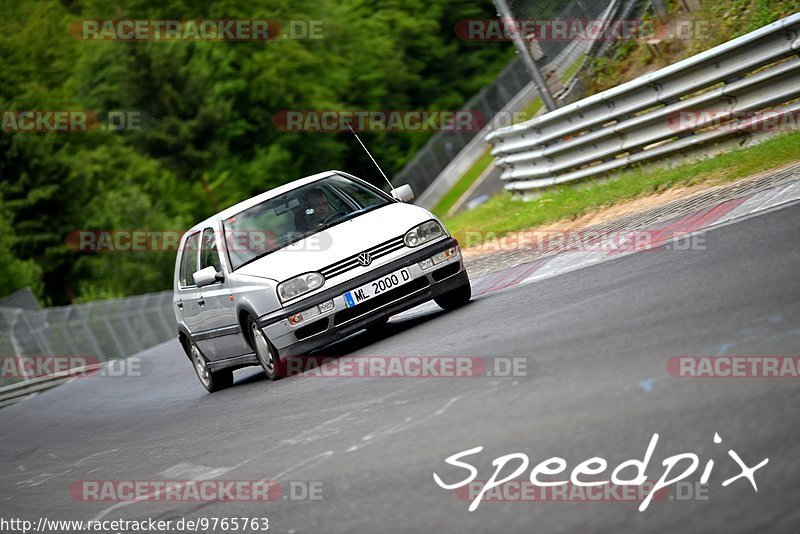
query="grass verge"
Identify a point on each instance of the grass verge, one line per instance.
(573, 69)
(463, 184)
(503, 214)
(530, 110)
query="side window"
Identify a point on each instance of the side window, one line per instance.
(336, 202)
(189, 260)
(209, 255)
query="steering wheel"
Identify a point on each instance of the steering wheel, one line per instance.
(330, 217)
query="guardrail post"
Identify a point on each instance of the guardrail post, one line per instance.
(504, 12)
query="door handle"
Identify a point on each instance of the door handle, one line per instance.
(179, 305)
(201, 302)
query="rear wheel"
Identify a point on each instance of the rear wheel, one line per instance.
(267, 354)
(455, 298)
(211, 380)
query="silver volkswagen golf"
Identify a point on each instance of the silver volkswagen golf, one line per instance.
(300, 266)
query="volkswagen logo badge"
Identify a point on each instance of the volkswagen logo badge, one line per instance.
(364, 259)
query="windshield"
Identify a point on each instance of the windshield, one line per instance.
(288, 218)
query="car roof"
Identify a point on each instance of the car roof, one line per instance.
(250, 202)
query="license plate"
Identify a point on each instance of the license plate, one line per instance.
(376, 287)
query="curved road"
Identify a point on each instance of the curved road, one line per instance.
(595, 343)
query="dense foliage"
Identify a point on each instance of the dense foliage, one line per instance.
(211, 140)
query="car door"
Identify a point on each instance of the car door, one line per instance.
(187, 291)
(222, 338)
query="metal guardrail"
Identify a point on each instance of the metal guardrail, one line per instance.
(641, 120)
(16, 392)
(103, 331)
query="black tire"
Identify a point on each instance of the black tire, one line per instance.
(266, 353)
(455, 298)
(211, 380)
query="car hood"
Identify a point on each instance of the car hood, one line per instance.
(341, 241)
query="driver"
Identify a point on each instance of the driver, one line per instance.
(317, 208)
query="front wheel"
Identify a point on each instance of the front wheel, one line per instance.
(211, 380)
(267, 354)
(455, 298)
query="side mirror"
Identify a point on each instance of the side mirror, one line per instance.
(403, 193)
(207, 276)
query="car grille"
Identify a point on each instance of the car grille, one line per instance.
(375, 252)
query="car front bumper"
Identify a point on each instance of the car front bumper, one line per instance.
(324, 328)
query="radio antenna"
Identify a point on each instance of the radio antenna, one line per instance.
(391, 187)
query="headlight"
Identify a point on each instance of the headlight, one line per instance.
(423, 233)
(299, 285)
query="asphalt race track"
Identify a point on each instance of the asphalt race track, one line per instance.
(596, 344)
